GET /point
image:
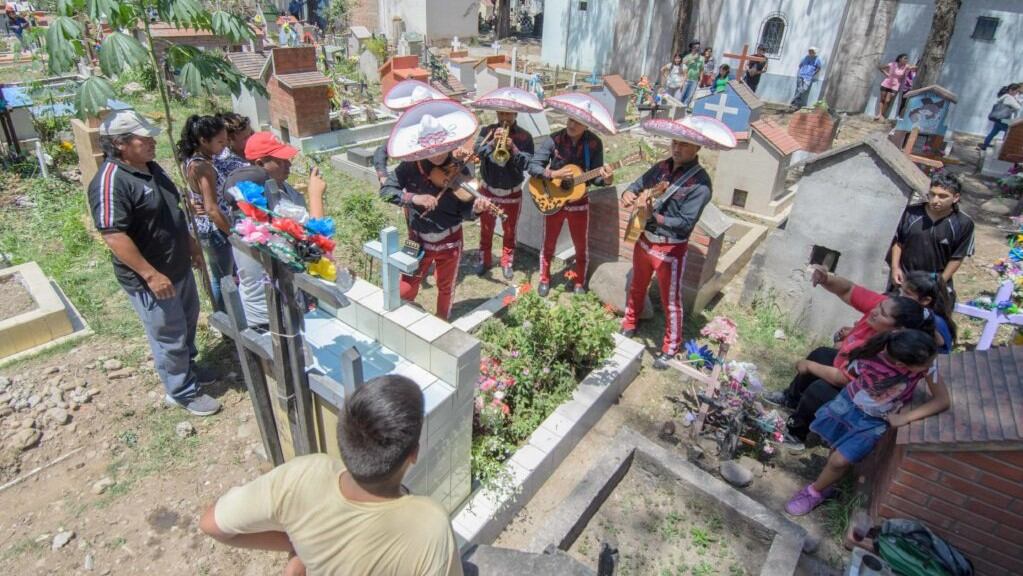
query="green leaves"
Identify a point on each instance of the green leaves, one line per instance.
(120, 52)
(63, 44)
(99, 10)
(204, 71)
(187, 13)
(93, 96)
(231, 26)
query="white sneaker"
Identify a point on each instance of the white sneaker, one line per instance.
(201, 405)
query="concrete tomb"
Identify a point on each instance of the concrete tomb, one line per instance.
(750, 179)
(614, 93)
(737, 107)
(249, 103)
(44, 316)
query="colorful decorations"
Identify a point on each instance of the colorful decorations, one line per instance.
(699, 356)
(721, 330)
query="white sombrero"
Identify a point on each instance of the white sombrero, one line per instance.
(408, 93)
(508, 99)
(431, 128)
(584, 108)
(700, 130)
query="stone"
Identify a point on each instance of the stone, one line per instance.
(112, 364)
(101, 485)
(133, 88)
(58, 416)
(119, 374)
(5, 383)
(33, 400)
(25, 438)
(51, 370)
(1000, 206)
(779, 334)
(61, 539)
(89, 563)
(735, 474)
(68, 385)
(6, 411)
(184, 429)
(5, 398)
(811, 543)
(610, 282)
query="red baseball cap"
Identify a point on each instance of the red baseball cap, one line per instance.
(263, 144)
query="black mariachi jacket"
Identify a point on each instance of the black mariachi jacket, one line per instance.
(683, 210)
(411, 178)
(510, 175)
(559, 151)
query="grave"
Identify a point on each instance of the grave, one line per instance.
(357, 38)
(751, 180)
(166, 35)
(960, 472)
(926, 114)
(369, 67)
(401, 68)
(410, 43)
(638, 482)
(35, 314)
(993, 316)
(299, 100)
(463, 68)
(614, 93)
(869, 183)
(1004, 151)
(19, 108)
(86, 136)
(815, 130)
(737, 107)
(495, 72)
(249, 103)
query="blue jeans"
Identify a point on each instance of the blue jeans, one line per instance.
(688, 91)
(219, 261)
(170, 327)
(1000, 126)
(802, 91)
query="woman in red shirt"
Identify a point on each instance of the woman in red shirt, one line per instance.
(822, 374)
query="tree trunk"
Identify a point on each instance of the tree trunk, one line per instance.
(503, 18)
(683, 24)
(942, 26)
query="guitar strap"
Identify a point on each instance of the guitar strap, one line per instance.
(663, 199)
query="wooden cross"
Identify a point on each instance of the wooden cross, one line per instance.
(711, 382)
(743, 58)
(394, 262)
(994, 318)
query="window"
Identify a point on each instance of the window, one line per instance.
(582, 5)
(739, 198)
(986, 28)
(772, 34)
(826, 257)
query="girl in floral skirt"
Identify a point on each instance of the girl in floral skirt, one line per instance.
(885, 373)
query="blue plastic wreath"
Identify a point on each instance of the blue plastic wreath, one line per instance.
(699, 356)
(322, 226)
(252, 193)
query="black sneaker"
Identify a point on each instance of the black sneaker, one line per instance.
(507, 272)
(481, 268)
(204, 375)
(661, 361)
(543, 289)
(779, 398)
(628, 333)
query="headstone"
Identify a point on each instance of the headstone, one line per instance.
(1012, 146)
(927, 110)
(744, 57)
(369, 66)
(751, 176)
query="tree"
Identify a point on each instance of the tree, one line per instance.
(683, 25)
(943, 25)
(503, 18)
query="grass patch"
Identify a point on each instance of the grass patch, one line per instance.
(22, 547)
(839, 510)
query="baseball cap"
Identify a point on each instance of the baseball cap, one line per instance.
(263, 144)
(123, 122)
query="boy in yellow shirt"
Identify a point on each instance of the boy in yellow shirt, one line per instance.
(351, 516)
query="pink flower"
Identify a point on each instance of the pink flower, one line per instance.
(721, 330)
(253, 232)
(487, 385)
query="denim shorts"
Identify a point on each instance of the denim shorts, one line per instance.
(848, 429)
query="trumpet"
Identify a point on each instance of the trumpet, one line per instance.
(501, 155)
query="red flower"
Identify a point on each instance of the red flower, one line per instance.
(571, 275)
(508, 300)
(324, 243)
(290, 227)
(253, 212)
(611, 308)
(525, 287)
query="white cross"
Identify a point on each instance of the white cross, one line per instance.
(496, 46)
(455, 44)
(394, 263)
(993, 318)
(720, 109)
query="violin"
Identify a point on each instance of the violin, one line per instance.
(450, 177)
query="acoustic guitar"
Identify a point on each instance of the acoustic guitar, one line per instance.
(641, 213)
(552, 195)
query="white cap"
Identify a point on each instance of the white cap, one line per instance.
(814, 49)
(128, 122)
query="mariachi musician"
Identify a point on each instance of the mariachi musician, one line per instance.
(399, 98)
(669, 199)
(578, 145)
(504, 150)
(428, 139)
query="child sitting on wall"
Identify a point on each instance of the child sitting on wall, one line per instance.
(721, 81)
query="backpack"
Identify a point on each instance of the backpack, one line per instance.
(1000, 111)
(911, 549)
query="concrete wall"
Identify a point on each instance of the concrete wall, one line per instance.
(643, 33)
(434, 19)
(808, 23)
(760, 175)
(255, 107)
(865, 30)
(973, 69)
(870, 200)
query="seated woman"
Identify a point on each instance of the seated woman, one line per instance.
(822, 374)
(930, 291)
(885, 372)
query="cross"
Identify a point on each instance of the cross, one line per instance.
(721, 109)
(393, 262)
(994, 318)
(455, 44)
(743, 58)
(496, 46)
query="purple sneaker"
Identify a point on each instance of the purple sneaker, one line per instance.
(805, 501)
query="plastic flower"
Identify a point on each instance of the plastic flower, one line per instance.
(524, 288)
(289, 227)
(252, 193)
(321, 226)
(721, 330)
(571, 275)
(699, 356)
(253, 211)
(324, 243)
(508, 300)
(323, 268)
(252, 232)
(611, 308)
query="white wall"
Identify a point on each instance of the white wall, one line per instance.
(413, 12)
(434, 19)
(808, 23)
(586, 37)
(973, 69)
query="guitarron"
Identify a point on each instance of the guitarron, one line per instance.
(552, 195)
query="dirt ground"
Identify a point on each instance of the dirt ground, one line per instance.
(131, 489)
(14, 298)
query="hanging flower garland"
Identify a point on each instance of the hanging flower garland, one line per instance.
(304, 244)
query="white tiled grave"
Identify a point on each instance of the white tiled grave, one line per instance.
(442, 359)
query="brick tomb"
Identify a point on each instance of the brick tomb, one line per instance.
(299, 94)
(961, 472)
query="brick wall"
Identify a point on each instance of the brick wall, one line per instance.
(305, 111)
(815, 131)
(365, 13)
(973, 499)
(292, 60)
(1012, 148)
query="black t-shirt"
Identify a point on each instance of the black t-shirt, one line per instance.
(145, 207)
(752, 80)
(928, 245)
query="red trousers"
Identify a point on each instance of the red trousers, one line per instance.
(446, 253)
(511, 205)
(578, 216)
(668, 261)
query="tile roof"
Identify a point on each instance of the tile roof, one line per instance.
(303, 79)
(251, 64)
(617, 85)
(361, 32)
(776, 136)
(747, 95)
(451, 87)
(942, 91)
(885, 151)
(987, 403)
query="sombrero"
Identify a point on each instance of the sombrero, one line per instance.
(584, 108)
(699, 130)
(407, 93)
(431, 128)
(508, 99)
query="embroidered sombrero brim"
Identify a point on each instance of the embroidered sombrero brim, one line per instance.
(431, 128)
(408, 93)
(508, 99)
(584, 108)
(699, 130)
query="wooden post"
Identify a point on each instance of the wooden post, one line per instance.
(252, 370)
(351, 371)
